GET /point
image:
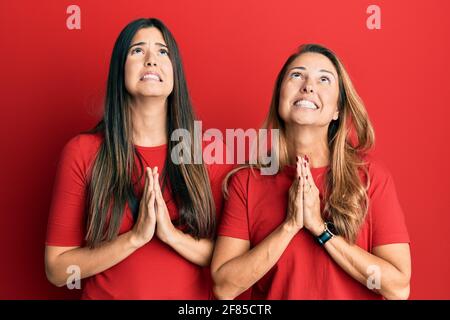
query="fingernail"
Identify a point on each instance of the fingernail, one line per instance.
(307, 159)
(306, 177)
(304, 163)
(296, 157)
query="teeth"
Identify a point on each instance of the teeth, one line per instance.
(305, 104)
(151, 76)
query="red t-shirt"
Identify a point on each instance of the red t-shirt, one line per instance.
(257, 205)
(154, 271)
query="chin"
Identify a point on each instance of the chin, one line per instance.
(303, 121)
(153, 94)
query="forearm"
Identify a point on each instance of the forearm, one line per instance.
(196, 251)
(90, 261)
(240, 273)
(358, 263)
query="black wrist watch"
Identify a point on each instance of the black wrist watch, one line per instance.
(330, 232)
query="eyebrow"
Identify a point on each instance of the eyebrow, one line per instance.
(321, 70)
(142, 43)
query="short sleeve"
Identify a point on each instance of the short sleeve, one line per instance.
(67, 210)
(234, 221)
(388, 221)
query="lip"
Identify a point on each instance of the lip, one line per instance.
(150, 76)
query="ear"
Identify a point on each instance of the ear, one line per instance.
(336, 115)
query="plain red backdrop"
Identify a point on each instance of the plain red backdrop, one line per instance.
(53, 80)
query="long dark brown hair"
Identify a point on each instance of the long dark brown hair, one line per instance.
(113, 174)
(346, 199)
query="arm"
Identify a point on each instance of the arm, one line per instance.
(235, 268)
(393, 261)
(196, 251)
(92, 261)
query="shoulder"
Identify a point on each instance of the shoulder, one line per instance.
(376, 168)
(378, 173)
(82, 148)
(85, 142)
(247, 175)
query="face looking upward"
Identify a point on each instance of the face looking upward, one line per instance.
(148, 69)
(309, 91)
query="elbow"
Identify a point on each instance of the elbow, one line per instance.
(220, 288)
(398, 293)
(53, 279)
(206, 262)
(221, 293)
(398, 288)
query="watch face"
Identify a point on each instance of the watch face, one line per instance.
(331, 228)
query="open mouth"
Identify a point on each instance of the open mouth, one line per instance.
(305, 104)
(151, 76)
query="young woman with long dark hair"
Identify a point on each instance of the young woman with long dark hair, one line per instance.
(137, 224)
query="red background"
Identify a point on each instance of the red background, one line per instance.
(53, 81)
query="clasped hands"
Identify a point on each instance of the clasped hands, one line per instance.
(304, 201)
(153, 213)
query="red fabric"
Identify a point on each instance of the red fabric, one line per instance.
(154, 271)
(257, 205)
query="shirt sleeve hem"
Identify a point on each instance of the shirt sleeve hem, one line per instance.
(234, 234)
(63, 244)
(399, 238)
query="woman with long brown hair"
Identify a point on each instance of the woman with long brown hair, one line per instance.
(328, 225)
(135, 223)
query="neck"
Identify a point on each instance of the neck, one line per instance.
(309, 141)
(149, 116)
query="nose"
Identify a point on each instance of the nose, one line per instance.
(150, 60)
(307, 88)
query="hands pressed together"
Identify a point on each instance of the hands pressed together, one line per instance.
(153, 213)
(303, 207)
(304, 202)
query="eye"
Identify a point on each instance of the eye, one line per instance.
(163, 52)
(137, 50)
(325, 79)
(296, 75)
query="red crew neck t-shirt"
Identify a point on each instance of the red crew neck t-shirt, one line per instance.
(257, 205)
(154, 271)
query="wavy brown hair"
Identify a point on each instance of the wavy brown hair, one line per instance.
(114, 173)
(349, 139)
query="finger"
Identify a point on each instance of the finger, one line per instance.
(151, 203)
(301, 187)
(147, 187)
(144, 193)
(157, 188)
(150, 180)
(304, 174)
(298, 166)
(309, 174)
